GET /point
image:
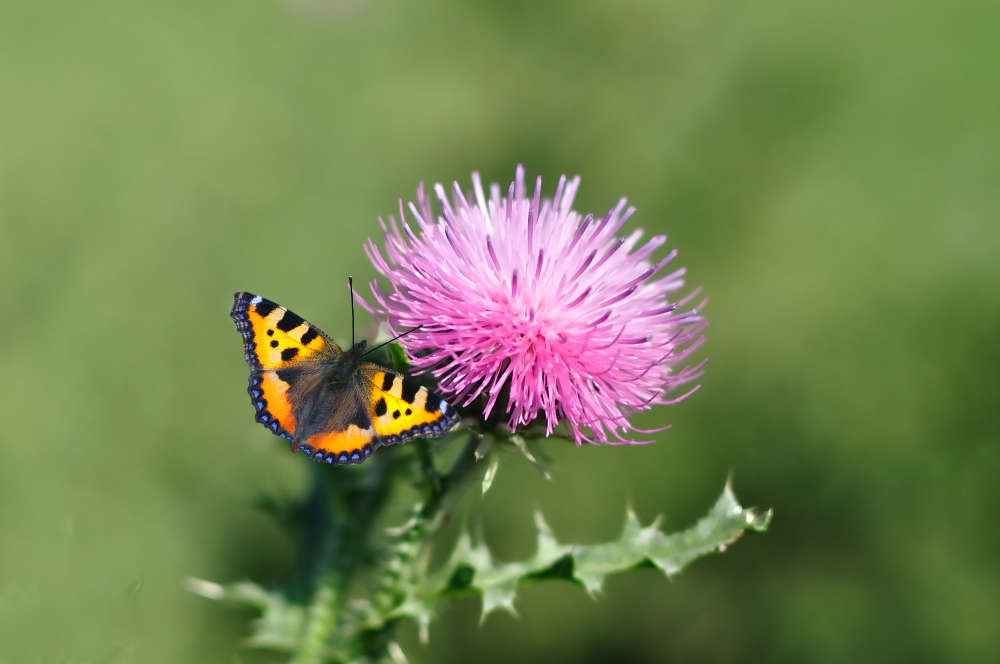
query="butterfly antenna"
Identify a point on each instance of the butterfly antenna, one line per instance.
(350, 285)
(412, 329)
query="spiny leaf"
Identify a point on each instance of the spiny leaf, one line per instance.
(722, 526)
(471, 566)
(412, 591)
(280, 623)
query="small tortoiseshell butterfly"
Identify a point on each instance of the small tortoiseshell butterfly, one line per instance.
(331, 404)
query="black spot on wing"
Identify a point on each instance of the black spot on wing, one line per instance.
(433, 402)
(287, 375)
(360, 418)
(396, 414)
(289, 321)
(380, 408)
(438, 427)
(265, 307)
(310, 334)
(410, 389)
(274, 342)
(289, 353)
(387, 379)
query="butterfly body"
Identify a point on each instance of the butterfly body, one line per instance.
(331, 404)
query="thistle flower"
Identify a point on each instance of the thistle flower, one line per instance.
(525, 296)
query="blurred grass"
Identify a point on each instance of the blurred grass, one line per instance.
(828, 173)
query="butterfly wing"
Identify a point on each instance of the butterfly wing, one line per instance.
(342, 432)
(384, 408)
(402, 409)
(285, 354)
(273, 336)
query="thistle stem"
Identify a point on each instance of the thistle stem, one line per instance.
(340, 512)
(340, 515)
(445, 493)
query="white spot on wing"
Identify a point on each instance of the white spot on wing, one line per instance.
(443, 407)
(257, 299)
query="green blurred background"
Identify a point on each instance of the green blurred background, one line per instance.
(829, 174)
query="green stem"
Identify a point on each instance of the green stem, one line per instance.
(338, 543)
(323, 538)
(408, 557)
(319, 540)
(431, 474)
(445, 493)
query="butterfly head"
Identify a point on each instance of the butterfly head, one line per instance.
(357, 352)
(348, 365)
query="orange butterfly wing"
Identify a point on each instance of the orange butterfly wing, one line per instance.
(402, 408)
(276, 339)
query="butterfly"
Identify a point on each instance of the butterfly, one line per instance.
(331, 404)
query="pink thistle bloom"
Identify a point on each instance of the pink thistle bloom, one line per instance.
(525, 295)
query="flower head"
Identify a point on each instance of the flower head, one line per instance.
(525, 297)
